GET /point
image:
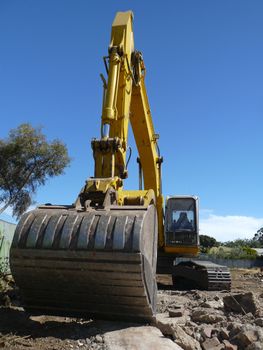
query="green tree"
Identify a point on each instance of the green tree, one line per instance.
(27, 160)
(207, 242)
(258, 237)
(252, 243)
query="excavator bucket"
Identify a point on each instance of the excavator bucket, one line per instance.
(99, 263)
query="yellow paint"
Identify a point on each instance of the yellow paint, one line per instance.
(125, 99)
(182, 250)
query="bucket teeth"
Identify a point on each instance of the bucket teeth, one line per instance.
(95, 264)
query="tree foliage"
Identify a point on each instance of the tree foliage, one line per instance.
(207, 242)
(27, 160)
(252, 243)
(237, 252)
(258, 237)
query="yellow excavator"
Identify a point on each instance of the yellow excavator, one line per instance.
(98, 257)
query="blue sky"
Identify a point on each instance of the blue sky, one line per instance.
(204, 81)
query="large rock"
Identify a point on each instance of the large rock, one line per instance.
(213, 304)
(172, 329)
(241, 303)
(184, 340)
(224, 333)
(165, 318)
(247, 336)
(255, 346)
(205, 316)
(176, 312)
(259, 322)
(206, 331)
(235, 327)
(138, 338)
(229, 346)
(212, 344)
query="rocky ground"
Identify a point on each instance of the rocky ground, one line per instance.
(186, 319)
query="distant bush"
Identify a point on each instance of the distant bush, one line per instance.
(238, 252)
(252, 243)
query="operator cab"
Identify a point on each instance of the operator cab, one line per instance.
(181, 225)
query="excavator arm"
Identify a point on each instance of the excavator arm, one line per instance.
(125, 99)
(146, 142)
(110, 150)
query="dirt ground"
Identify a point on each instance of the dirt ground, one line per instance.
(247, 280)
(20, 331)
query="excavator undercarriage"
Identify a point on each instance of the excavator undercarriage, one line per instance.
(204, 274)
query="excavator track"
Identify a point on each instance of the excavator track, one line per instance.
(205, 274)
(99, 263)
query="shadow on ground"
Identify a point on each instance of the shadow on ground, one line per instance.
(17, 321)
(180, 285)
